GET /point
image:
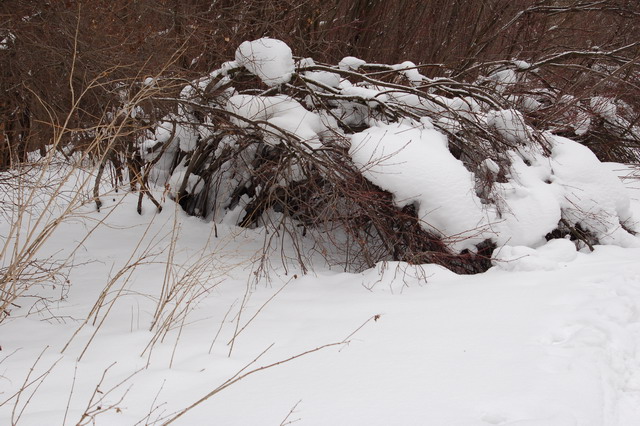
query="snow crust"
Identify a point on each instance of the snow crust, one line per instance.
(269, 59)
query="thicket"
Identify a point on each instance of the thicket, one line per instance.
(114, 75)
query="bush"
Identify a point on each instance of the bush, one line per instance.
(379, 161)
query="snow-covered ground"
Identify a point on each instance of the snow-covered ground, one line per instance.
(546, 337)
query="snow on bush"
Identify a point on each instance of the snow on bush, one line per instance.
(321, 146)
(193, 183)
(510, 124)
(269, 59)
(571, 185)
(414, 164)
(281, 116)
(591, 195)
(526, 209)
(351, 63)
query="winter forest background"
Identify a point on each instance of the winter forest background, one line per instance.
(195, 193)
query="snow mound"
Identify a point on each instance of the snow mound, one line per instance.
(412, 161)
(415, 165)
(549, 257)
(269, 59)
(592, 195)
(528, 208)
(395, 275)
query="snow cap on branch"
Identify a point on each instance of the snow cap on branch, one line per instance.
(350, 63)
(269, 59)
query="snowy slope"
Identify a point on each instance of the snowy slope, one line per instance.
(547, 337)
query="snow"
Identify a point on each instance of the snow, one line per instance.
(549, 257)
(607, 205)
(572, 184)
(374, 96)
(522, 65)
(7, 41)
(510, 124)
(582, 124)
(528, 103)
(529, 207)
(194, 183)
(445, 107)
(410, 71)
(139, 316)
(269, 59)
(350, 63)
(283, 113)
(414, 164)
(549, 336)
(492, 166)
(325, 78)
(503, 80)
(411, 160)
(604, 107)
(187, 137)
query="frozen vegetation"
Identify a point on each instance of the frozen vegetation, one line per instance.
(473, 172)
